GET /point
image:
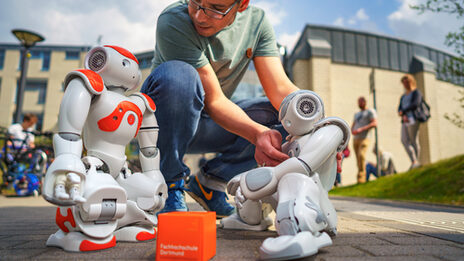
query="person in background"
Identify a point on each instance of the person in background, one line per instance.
(344, 154)
(409, 102)
(363, 122)
(22, 133)
(387, 166)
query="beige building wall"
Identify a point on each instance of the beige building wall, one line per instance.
(340, 85)
(54, 77)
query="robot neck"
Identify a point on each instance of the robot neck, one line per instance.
(117, 89)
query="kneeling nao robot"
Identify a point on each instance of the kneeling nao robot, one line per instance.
(99, 200)
(297, 189)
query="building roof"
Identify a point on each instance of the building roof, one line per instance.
(368, 49)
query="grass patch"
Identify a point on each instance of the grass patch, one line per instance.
(441, 182)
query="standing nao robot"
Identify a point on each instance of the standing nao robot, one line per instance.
(99, 200)
(297, 189)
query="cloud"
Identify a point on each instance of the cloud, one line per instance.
(339, 21)
(126, 23)
(427, 28)
(361, 15)
(289, 40)
(274, 13)
(360, 20)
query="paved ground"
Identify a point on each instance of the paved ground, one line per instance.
(368, 230)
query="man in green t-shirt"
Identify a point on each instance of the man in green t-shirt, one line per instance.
(203, 49)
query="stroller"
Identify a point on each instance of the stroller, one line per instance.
(22, 168)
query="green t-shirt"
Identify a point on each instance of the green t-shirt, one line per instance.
(226, 51)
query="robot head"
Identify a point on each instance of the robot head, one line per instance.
(117, 66)
(300, 111)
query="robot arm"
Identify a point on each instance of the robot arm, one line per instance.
(300, 113)
(149, 155)
(67, 172)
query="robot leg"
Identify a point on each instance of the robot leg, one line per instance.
(253, 215)
(139, 222)
(326, 206)
(299, 220)
(90, 225)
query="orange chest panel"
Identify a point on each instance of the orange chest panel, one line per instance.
(112, 122)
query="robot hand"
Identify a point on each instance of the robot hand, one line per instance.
(63, 181)
(72, 181)
(234, 184)
(233, 188)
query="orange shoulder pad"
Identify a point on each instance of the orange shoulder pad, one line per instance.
(149, 103)
(92, 80)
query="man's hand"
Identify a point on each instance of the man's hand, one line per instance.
(268, 150)
(356, 131)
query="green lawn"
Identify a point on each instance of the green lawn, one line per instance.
(441, 182)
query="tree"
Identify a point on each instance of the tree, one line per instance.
(454, 67)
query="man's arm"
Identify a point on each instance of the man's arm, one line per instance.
(272, 76)
(232, 118)
(372, 124)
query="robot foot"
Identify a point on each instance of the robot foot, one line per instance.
(289, 247)
(135, 234)
(78, 242)
(234, 222)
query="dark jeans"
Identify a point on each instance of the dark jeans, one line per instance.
(185, 127)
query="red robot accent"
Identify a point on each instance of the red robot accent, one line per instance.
(151, 103)
(87, 245)
(60, 220)
(124, 52)
(144, 236)
(94, 78)
(111, 122)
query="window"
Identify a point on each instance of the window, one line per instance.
(2, 58)
(44, 55)
(37, 88)
(72, 55)
(45, 60)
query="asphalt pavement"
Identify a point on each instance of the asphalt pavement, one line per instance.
(368, 230)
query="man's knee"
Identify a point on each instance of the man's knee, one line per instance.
(173, 78)
(175, 85)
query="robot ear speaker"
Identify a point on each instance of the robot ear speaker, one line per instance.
(97, 60)
(307, 106)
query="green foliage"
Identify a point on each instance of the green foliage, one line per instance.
(441, 182)
(454, 67)
(455, 118)
(455, 39)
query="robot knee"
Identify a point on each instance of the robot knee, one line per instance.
(294, 216)
(105, 199)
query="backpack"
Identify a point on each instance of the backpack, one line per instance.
(422, 112)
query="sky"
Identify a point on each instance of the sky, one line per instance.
(132, 24)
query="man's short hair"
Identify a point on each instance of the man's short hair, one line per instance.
(30, 117)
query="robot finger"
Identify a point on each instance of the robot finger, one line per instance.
(73, 178)
(75, 196)
(238, 203)
(239, 196)
(60, 192)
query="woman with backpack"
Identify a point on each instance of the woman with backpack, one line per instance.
(410, 101)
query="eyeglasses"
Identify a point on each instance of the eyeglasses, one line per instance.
(211, 12)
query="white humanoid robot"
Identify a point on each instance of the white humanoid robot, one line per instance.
(297, 189)
(99, 200)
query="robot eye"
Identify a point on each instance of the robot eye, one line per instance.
(125, 63)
